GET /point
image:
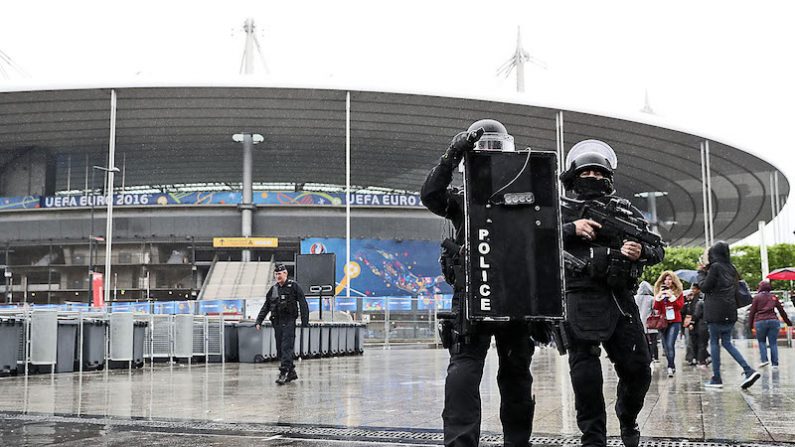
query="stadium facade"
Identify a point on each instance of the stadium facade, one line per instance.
(180, 173)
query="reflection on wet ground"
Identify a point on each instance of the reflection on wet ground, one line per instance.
(384, 396)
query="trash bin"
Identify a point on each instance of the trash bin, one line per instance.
(183, 336)
(67, 346)
(230, 343)
(334, 338)
(350, 342)
(139, 337)
(254, 346)
(43, 340)
(360, 330)
(305, 334)
(121, 340)
(93, 345)
(325, 338)
(297, 343)
(10, 333)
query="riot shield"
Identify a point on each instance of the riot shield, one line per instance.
(514, 246)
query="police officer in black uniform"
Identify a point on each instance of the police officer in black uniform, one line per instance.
(462, 413)
(600, 304)
(283, 302)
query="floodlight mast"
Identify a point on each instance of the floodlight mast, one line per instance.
(520, 56)
(247, 63)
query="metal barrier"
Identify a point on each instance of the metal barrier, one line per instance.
(160, 335)
(62, 341)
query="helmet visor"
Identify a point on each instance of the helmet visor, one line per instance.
(491, 141)
(592, 146)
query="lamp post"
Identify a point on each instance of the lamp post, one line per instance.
(108, 225)
(9, 280)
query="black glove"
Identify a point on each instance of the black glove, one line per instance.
(304, 324)
(463, 141)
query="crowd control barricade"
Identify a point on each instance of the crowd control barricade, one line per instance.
(10, 335)
(214, 333)
(67, 346)
(199, 337)
(160, 337)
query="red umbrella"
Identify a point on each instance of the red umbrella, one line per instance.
(786, 273)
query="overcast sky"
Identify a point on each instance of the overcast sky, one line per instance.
(724, 69)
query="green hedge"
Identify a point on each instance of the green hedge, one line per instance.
(746, 258)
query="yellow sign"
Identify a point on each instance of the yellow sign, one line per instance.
(246, 242)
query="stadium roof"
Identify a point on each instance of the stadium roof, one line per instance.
(183, 134)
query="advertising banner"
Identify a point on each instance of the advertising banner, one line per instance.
(260, 198)
(98, 289)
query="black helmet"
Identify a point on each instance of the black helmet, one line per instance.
(495, 136)
(589, 154)
(279, 268)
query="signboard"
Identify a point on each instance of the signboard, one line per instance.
(98, 289)
(245, 242)
(215, 198)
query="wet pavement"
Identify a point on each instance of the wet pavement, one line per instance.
(384, 397)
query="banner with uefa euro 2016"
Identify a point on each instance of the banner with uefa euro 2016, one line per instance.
(386, 273)
(261, 198)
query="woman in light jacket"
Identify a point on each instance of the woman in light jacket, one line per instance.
(644, 299)
(668, 301)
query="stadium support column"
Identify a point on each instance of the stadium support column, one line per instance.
(651, 200)
(247, 205)
(110, 169)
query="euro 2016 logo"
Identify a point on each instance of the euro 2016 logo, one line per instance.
(317, 248)
(485, 289)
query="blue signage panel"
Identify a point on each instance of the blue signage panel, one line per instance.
(381, 268)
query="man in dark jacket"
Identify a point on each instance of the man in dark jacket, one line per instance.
(719, 281)
(599, 300)
(283, 302)
(461, 414)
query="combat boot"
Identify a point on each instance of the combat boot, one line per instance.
(282, 378)
(292, 375)
(630, 436)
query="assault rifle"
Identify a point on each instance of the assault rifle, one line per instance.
(616, 217)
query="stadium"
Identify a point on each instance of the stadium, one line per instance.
(179, 182)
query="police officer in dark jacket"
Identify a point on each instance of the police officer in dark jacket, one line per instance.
(461, 414)
(283, 302)
(600, 304)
